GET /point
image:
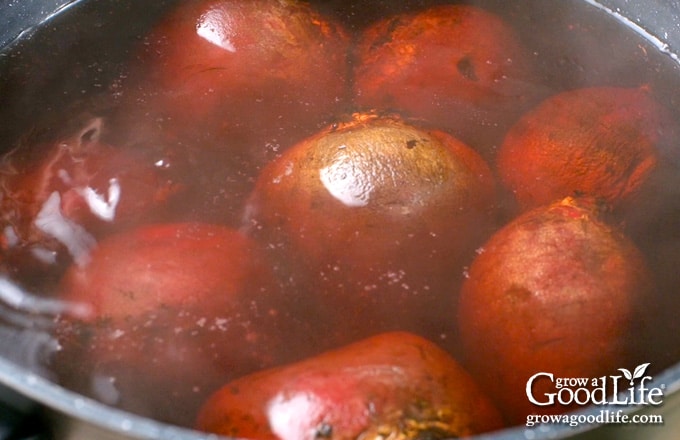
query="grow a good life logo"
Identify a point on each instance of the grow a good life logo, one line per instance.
(604, 390)
(630, 388)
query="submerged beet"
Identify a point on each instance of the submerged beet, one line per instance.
(393, 385)
(457, 67)
(58, 197)
(174, 311)
(556, 291)
(601, 142)
(380, 215)
(248, 76)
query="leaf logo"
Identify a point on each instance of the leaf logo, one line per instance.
(636, 374)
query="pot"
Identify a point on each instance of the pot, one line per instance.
(33, 406)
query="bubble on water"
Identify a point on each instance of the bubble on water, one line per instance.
(117, 333)
(395, 277)
(273, 146)
(288, 170)
(222, 323)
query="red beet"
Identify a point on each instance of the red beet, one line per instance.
(458, 67)
(393, 385)
(244, 75)
(601, 142)
(175, 311)
(556, 291)
(381, 216)
(58, 198)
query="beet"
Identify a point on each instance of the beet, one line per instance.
(457, 67)
(246, 76)
(556, 290)
(601, 142)
(175, 310)
(380, 215)
(60, 195)
(394, 385)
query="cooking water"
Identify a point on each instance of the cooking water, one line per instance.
(63, 80)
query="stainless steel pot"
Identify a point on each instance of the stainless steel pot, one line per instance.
(31, 404)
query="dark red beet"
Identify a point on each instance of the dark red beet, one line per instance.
(57, 198)
(600, 142)
(248, 76)
(394, 385)
(381, 215)
(555, 291)
(174, 311)
(457, 67)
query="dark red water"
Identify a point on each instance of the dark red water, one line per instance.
(65, 82)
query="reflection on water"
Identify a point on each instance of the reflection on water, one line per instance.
(26, 324)
(52, 222)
